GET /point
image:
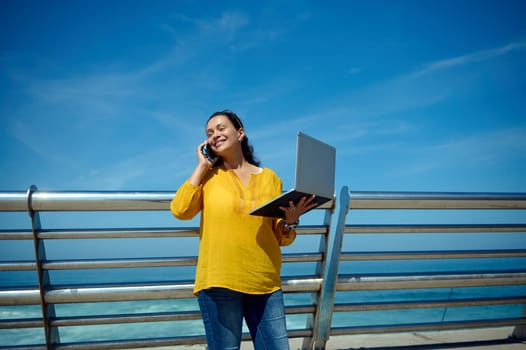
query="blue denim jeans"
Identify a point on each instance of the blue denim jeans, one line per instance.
(223, 311)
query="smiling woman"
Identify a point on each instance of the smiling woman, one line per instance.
(239, 264)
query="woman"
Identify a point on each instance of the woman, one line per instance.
(238, 269)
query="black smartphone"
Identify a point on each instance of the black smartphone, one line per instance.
(209, 153)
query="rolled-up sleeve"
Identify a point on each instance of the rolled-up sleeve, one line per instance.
(284, 237)
(187, 201)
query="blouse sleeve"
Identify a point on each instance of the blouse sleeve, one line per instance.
(187, 201)
(284, 237)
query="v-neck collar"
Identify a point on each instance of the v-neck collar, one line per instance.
(245, 187)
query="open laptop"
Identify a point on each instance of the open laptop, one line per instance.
(315, 171)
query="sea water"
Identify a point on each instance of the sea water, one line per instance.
(194, 327)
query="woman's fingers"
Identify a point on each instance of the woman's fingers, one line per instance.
(294, 211)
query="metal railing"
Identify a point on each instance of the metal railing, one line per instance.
(337, 282)
(323, 285)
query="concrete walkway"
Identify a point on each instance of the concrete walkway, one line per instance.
(478, 339)
(493, 338)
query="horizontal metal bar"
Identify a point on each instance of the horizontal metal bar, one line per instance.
(312, 230)
(471, 228)
(101, 293)
(436, 200)
(157, 200)
(422, 327)
(419, 255)
(302, 257)
(86, 201)
(141, 262)
(120, 319)
(13, 201)
(21, 323)
(17, 265)
(19, 296)
(118, 263)
(390, 282)
(99, 201)
(118, 233)
(128, 233)
(302, 230)
(157, 317)
(301, 284)
(300, 309)
(23, 347)
(88, 294)
(16, 235)
(79, 294)
(133, 344)
(127, 318)
(152, 292)
(421, 304)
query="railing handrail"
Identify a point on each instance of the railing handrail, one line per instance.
(159, 200)
(436, 200)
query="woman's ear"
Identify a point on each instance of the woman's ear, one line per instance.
(241, 134)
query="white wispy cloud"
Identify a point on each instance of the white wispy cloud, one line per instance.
(474, 57)
(422, 87)
(228, 22)
(193, 37)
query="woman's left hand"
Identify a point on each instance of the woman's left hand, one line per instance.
(294, 211)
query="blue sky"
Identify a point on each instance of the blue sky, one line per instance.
(113, 95)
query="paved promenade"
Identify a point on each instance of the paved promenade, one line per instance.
(494, 339)
(479, 339)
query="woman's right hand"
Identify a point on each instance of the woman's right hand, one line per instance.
(201, 158)
(203, 165)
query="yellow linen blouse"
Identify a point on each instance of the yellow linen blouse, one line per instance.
(237, 251)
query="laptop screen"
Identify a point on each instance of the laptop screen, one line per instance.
(315, 166)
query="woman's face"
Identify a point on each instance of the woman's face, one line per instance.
(222, 134)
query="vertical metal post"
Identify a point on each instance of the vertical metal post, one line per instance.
(325, 307)
(48, 311)
(519, 332)
(312, 320)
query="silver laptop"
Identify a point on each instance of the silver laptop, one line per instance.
(315, 171)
